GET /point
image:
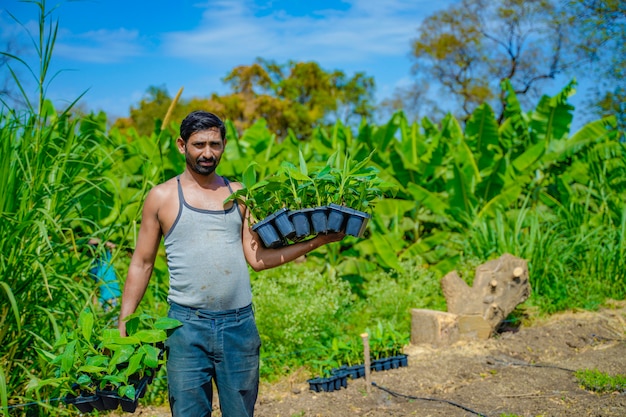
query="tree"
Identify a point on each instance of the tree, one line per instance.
(149, 111)
(149, 115)
(600, 42)
(413, 101)
(295, 95)
(471, 47)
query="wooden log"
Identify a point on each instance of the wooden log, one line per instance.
(499, 286)
(433, 327)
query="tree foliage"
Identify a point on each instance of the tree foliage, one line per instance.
(600, 41)
(296, 96)
(475, 44)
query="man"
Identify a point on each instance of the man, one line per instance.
(209, 247)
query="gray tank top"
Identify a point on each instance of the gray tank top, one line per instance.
(205, 258)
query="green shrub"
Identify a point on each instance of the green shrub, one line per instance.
(313, 320)
(296, 307)
(600, 382)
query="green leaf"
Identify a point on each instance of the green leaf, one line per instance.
(431, 248)
(482, 135)
(151, 336)
(303, 168)
(503, 200)
(92, 369)
(114, 341)
(121, 354)
(67, 357)
(84, 380)
(85, 323)
(527, 160)
(461, 186)
(249, 178)
(385, 254)
(151, 358)
(115, 380)
(127, 391)
(292, 172)
(166, 323)
(98, 360)
(111, 333)
(553, 116)
(134, 363)
(428, 199)
(14, 305)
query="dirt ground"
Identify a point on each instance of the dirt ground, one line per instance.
(526, 371)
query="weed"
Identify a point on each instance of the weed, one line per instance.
(600, 382)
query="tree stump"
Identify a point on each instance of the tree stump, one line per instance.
(499, 286)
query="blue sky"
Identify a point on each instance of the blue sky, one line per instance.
(117, 49)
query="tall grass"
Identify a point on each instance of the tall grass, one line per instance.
(575, 259)
(44, 274)
(53, 166)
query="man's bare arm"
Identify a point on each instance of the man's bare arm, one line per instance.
(142, 262)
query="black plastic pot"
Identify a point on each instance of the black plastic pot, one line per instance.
(392, 362)
(300, 220)
(97, 403)
(82, 402)
(353, 372)
(267, 233)
(336, 217)
(330, 384)
(319, 219)
(376, 365)
(315, 384)
(130, 405)
(112, 400)
(399, 361)
(356, 371)
(341, 381)
(283, 224)
(356, 223)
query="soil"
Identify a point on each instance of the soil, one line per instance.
(525, 371)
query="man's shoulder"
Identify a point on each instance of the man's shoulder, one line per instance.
(234, 185)
(164, 190)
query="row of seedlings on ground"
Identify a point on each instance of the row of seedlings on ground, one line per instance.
(339, 376)
(97, 369)
(296, 202)
(387, 354)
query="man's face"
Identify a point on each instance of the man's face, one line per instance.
(203, 151)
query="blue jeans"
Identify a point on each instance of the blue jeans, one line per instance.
(223, 345)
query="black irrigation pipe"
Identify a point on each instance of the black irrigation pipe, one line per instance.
(50, 401)
(522, 363)
(607, 339)
(514, 363)
(395, 394)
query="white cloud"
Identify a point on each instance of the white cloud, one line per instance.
(100, 46)
(366, 30)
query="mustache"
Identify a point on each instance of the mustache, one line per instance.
(202, 159)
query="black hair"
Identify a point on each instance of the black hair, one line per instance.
(199, 120)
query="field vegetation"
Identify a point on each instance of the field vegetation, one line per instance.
(463, 193)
